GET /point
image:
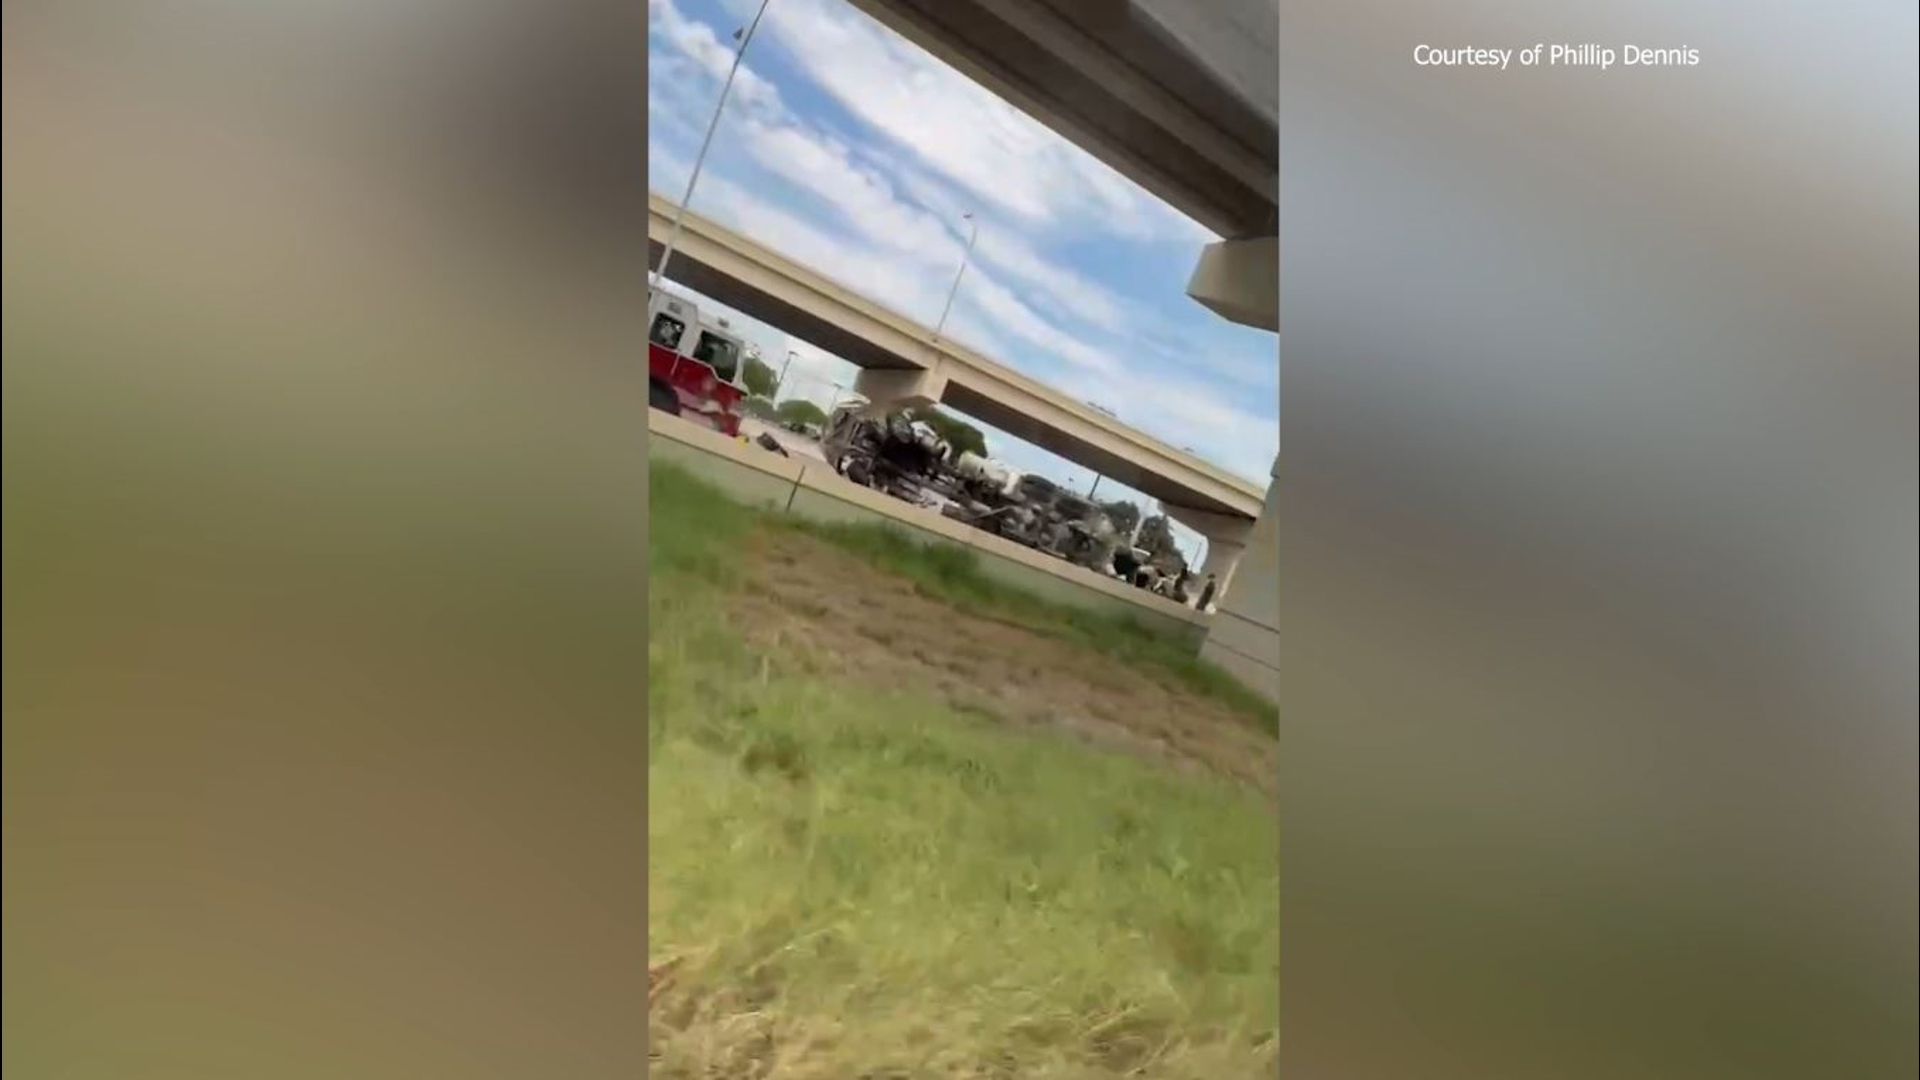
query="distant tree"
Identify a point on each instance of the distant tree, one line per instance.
(760, 408)
(962, 436)
(759, 378)
(1156, 538)
(800, 411)
(1124, 515)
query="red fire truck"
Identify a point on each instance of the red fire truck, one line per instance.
(695, 368)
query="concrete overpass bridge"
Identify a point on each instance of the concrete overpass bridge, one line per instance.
(902, 364)
(1183, 98)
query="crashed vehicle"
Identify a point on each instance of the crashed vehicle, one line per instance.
(891, 454)
(1156, 573)
(908, 459)
(1079, 532)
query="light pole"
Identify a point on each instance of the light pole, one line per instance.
(780, 380)
(700, 159)
(973, 234)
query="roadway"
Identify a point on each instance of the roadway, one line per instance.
(795, 444)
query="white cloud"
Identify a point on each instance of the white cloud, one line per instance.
(833, 171)
(908, 254)
(962, 131)
(1071, 291)
(697, 42)
(1008, 312)
(666, 170)
(846, 260)
(827, 168)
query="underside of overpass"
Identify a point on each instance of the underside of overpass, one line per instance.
(995, 412)
(769, 307)
(1122, 79)
(1179, 96)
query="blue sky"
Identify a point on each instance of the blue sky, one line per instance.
(852, 151)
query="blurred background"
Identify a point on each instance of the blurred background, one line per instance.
(325, 511)
(324, 488)
(1598, 543)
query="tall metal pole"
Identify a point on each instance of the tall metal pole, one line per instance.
(666, 251)
(973, 234)
(780, 380)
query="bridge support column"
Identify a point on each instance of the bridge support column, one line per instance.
(1227, 537)
(1245, 635)
(1223, 558)
(888, 391)
(1240, 280)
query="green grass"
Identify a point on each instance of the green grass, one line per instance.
(953, 575)
(863, 883)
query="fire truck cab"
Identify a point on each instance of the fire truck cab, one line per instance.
(695, 368)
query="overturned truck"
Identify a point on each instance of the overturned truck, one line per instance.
(908, 460)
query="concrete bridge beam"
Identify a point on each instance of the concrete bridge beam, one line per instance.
(1216, 527)
(1239, 280)
(889, 390)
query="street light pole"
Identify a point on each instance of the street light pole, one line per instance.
(780, 380)
(973, 234)
(666, 250)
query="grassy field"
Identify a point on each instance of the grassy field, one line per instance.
(954, 576)
(858, 881)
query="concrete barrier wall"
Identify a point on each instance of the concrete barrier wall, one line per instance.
(1247, 651)
(1245, 638)
(767, 480)
(791, 485)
